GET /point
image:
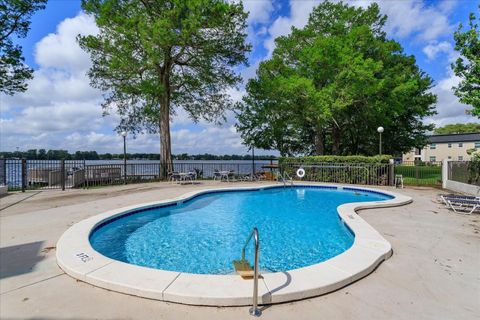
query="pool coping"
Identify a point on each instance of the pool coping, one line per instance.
(78, 259)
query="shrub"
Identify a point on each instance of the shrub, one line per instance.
(335, 159)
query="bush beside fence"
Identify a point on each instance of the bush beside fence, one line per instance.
(464, 171)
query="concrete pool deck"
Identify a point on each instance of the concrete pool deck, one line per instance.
(434, 271)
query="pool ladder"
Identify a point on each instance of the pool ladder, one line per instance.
(284, 177)
(244, 269)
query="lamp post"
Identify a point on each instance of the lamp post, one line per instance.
(380, 131)
(253, 163)
(124, 135)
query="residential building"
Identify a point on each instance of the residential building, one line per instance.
(445, 146)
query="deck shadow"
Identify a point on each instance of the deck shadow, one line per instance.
(20, 259)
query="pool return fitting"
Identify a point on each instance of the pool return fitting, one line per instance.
(245, 270)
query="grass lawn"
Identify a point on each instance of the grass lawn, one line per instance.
(415, 175)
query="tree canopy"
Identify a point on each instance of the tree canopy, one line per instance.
(458, 128)
(152, 57)
(328, 86)
(15, 22)
(467, 66)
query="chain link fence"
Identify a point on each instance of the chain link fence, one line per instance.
(464, 171)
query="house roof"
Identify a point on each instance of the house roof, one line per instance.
(461, 137)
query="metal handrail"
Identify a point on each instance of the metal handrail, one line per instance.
(284, 180)
(254, 311)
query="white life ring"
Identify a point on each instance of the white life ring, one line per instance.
(301, 173)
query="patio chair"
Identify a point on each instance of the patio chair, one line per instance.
(173, 176)
(231, 176)
(260, 176)
(246, 177)
(193, 174)
(217, 175)
(466, 206)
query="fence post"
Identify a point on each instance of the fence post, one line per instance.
(416, 174)
(444, 173)
(85, 181)
(62, 173)
(24, 174)
(4, 171)
(391, 172)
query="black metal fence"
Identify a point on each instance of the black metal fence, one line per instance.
(420, 173)
(21, 174)
(351, 173)
(464, 171)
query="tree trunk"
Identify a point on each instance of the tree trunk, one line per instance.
(319, 143)
(165, 142)
(335, 139)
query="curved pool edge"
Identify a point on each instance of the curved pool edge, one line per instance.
(78, 259)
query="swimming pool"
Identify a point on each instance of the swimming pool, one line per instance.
(299, 226)
(112, 249)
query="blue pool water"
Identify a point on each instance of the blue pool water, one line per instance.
(298, 226)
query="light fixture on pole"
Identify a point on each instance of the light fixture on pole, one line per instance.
(380, 131)
(124, 135)
(253, 163)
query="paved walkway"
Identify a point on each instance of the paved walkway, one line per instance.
(434, 272)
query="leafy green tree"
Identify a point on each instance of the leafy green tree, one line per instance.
(328, 86)
(152, 57)
(467, 66)
(458, 128)
(15, 21)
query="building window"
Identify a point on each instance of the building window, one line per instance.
(460, 145)
(433, 159)
(460, 158)
(477, 145)
(449, 145)
(433, 146)
(449, 157)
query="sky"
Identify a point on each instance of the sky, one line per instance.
(61, 111)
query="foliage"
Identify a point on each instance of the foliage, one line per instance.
(15, 21)
(328, 86)
(458, 128)
(335, 159)
(474, 168)
(153, 57)
(467, 66)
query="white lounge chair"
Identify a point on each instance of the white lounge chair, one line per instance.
(466, 206)
(453, 197)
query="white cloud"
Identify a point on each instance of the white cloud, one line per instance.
(449, 108)
(415, 18)
(259, 10)
(60, 49)
(434, 48)
(59, 100)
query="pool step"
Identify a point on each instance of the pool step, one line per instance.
(243, 268)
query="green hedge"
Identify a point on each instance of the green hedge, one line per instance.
(335, 159)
